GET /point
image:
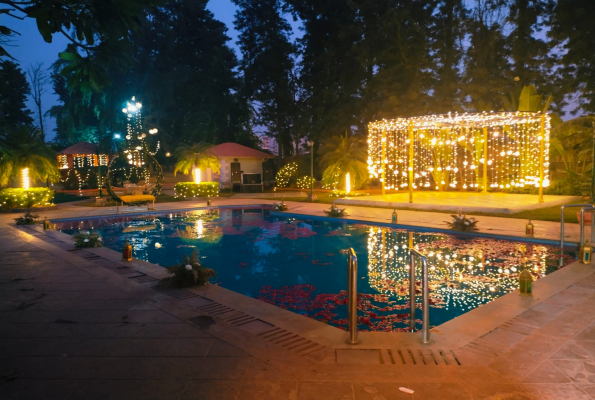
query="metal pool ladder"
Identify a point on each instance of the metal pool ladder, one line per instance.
(586, 207)
(425, 329)
(352, 296)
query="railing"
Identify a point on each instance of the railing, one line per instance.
(425, 329)
(562, 227)
(352, 296)
(582, 221)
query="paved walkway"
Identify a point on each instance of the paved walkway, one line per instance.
(71, 329)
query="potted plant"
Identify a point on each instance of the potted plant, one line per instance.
(335, 211)
(461, 223)
(190, 272)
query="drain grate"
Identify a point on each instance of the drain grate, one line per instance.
(144, 279)
(290, 341)
(421, 357)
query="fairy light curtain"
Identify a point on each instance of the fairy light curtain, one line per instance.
(460, 151)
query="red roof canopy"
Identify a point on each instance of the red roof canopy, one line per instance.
(237, 150)
(80, 148)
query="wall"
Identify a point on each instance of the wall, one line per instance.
(247, 165)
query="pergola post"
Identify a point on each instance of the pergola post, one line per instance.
(410, 163)
(383, 158)
(541, 151)
(485, 160)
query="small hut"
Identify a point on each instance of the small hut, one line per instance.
(81, 155)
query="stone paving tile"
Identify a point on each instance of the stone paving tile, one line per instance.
(369, 373)
(102, 390)
(222, 349)
(190, 331)
(555, 391)
(360, 357)
(261, 390)
(439, 391)
(36, 389)
(188, 348)
(588, 345)
(572, 350)
(212, 390)
(535, 318)
(550, 308)
(589, 389)
(587, 333)
(157, 390)
(380, 390)
(329, 390)
(546, 373)
(579, 371)
(259, 371)
(504, 337)
(497, 391)
(174, 368)
(160, 330)
(223, 368)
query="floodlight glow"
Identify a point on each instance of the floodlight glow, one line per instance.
(116, 136)
(196, 175)
(347, 183)
(25, 173)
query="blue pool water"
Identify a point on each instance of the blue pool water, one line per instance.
(300, 265)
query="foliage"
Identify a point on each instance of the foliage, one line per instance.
(22, 148)
(335, 211)
(571, 145)
(27, 219)
(462, 223)
(14, 89)
(100, 28)
(191, 189)
(305, 182)
(285, 174)
(343, 154)
(572, 29)
(87, 239)
(21, 198)
(267, 66)
(280, 206)
(196, 156)
(190, 272)
(342, 193)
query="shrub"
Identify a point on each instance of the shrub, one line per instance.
(305, 181)
(462, 223)
(87, 239)
(285, 174)
(27, 219)
(335, 211)
(21, 198)
(191, 189)
(190, 272)
(280, 206)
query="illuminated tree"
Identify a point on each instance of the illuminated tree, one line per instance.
(341, 155)
(196, 158)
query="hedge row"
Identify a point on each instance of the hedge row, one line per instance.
(21, 198)
(191, 189)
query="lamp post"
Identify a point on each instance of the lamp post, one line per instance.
(311, 144)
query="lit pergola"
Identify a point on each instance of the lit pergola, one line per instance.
(461, 151)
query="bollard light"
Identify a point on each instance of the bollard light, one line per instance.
(529, 229)
(208, 201)
(586, 253)
(46, 224)
(394, 216)
(525, 281)
(127, 252)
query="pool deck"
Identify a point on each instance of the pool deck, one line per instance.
(83, 324)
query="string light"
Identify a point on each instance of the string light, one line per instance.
(449, 150)
(25, 176)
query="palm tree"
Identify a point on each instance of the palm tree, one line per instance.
(197, 156)
(343, 154)
(21, 149)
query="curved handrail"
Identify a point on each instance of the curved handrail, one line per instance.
(352, 296)
(425, 329)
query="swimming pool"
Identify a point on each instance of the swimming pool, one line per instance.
(299, 263)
